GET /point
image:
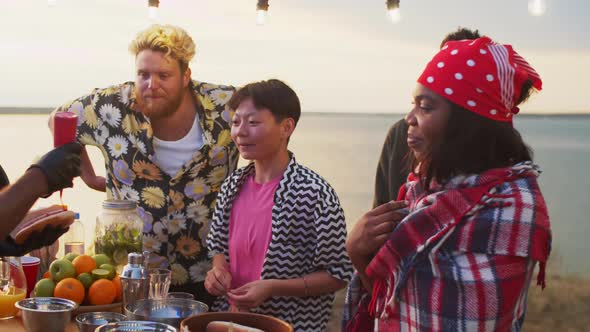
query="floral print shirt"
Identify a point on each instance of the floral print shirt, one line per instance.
(176, 210)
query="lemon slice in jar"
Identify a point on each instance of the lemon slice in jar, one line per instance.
(120, 256)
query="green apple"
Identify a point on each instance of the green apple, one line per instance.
(71, 256)
(100, 274)
(101, 259)
(61, 269)
(44, 288)
(109, 268)
(85, 279)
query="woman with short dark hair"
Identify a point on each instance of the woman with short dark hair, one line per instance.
(278, 233)
(458, 248)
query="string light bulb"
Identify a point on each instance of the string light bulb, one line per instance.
(537, 7)
(261, 11)
(153, 6)
(393, 10)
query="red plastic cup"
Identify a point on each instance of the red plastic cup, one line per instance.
(30, 268)
(64, 128)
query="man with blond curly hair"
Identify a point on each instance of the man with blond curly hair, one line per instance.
(166, 141)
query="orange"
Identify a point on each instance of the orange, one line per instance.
(117, 282)
(46, 275)
(84, 264)
(102, 291)
(71, 289)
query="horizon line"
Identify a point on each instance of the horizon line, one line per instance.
(26, 110)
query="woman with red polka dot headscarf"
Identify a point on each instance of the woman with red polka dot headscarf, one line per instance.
(457, 250)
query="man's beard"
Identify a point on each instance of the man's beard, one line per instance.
(162, 108)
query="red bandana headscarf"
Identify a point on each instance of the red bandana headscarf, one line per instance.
(481, 76)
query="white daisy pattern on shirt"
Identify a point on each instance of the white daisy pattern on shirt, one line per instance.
(220, 97)
(198, 212)
(150, 243)
(117, 146)
(110, 114)
(101, 133)
(125, 93)
(160, 230)
(176, 222)
(129, 194)
(137, 144)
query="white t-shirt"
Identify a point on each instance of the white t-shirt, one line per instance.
(172, 155)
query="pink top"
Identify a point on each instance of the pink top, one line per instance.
(250, 230)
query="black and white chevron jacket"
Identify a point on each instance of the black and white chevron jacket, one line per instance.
(308, 235)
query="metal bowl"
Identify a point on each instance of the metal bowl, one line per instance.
(135, 326)
(169, 311)
(89, 321)
(42, 314)
(180, 295)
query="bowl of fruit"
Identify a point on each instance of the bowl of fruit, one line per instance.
(90, 281)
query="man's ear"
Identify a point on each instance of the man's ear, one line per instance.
(186, 77)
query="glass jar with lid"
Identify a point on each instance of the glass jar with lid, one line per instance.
(118, 231)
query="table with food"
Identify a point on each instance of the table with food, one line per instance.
(111, 289)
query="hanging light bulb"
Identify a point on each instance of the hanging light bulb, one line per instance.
(153, 9)
(393, 10)
(51, 3)
(537, 7)
(261, 11)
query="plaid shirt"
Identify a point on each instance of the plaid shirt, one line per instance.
(462, 259)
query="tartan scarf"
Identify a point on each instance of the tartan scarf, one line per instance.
(449, 214)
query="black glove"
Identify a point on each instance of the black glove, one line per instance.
(60, 166)
(37, 240)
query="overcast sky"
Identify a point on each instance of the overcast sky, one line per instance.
(339, 55)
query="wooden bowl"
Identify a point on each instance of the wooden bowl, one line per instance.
(198, 323)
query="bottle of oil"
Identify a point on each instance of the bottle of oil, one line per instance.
(74, 239)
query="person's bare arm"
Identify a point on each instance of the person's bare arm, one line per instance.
(17, 199)
(87, 173)
(316, 283)
(254, 293)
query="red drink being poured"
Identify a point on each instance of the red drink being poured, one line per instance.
(64, 132)
(64, 128)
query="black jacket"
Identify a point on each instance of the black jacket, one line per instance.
(392, 171)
